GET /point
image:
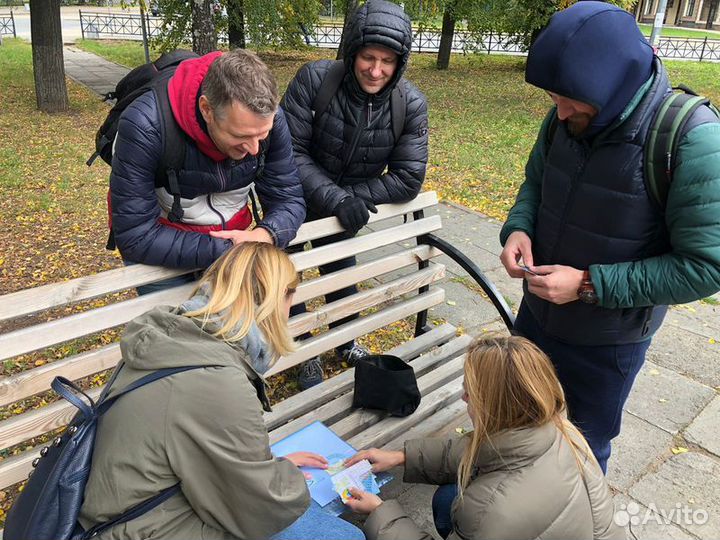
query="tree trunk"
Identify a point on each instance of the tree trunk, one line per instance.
(236, 24)
(446, 38)
(350, 9)
(203, 28)
(47, 49)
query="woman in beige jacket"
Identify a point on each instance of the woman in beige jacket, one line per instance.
(203, 428)
(524, 472)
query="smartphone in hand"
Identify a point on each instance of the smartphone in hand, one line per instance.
(527, 269)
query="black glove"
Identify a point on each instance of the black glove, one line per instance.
(353, 213)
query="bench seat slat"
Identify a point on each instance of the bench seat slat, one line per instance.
(442, 424)
(33, 423)
(360, 419)
(390, 427)
(341, 407)
(307, 400)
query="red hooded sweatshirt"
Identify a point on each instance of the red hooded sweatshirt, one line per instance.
(183, 90)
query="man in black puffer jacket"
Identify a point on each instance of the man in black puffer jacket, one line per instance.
(226, 107)
(347, 155)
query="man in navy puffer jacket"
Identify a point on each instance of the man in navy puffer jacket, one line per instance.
(226, 105)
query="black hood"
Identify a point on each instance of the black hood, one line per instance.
(378, 22)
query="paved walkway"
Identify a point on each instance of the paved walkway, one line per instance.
(665, 467)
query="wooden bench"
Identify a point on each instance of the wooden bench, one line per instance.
(399, 283)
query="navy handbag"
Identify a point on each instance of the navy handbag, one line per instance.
(48, 506)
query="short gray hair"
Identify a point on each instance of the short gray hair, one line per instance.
(240, 75)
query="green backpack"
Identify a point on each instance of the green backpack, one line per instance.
(665, 133)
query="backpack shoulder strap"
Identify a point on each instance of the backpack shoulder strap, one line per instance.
(173, 140)
(134, 512)
(104, 405)
(398, 109)
(660, 150)
(328, 88)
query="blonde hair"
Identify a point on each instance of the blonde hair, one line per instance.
(510, 383)
(249, 284)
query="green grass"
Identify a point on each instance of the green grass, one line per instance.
(676, 32)
(483, 117)
(126, 53)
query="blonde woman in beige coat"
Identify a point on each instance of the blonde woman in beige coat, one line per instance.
(524, 472)
(204, 428)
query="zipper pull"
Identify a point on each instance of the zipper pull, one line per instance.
(369, 111)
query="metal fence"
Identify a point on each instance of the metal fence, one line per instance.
(126, 26)
(690, 49)
(117, 26)
(7, 25)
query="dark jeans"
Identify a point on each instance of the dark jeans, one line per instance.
(441, 506)
(596, 381)
(333, 296)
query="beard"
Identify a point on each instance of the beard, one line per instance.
(578, 123)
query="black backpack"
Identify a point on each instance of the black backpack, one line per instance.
(155, 77)
(661, 144)
(49, 505)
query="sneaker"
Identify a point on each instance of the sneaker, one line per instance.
(352, 354)
(311, 374)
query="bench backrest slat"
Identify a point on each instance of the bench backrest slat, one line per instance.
(31, 382)
(28, 383)
(58, 414)
(74, 326)
(325, 227)
(37, 299)
(347, 332)
(363, 300)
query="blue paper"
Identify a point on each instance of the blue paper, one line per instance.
(318, 438)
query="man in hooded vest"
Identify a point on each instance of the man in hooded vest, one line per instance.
(348, 157)
(602, 259)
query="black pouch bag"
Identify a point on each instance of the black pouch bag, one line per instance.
(386, 382)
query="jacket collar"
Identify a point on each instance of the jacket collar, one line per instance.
(515, 448)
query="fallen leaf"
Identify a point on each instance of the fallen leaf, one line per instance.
(662, 400)
(678, 450)
(451, 302)
(711, 341)
(654, 372)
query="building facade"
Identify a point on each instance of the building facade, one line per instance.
(689, 13)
